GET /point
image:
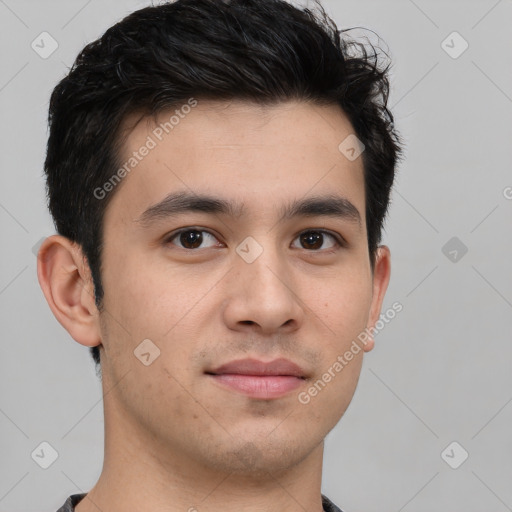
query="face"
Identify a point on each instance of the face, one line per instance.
(206, 259)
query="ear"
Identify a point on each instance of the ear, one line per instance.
(381, 275)
(66, 281)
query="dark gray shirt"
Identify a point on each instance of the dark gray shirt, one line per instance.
(74, 499)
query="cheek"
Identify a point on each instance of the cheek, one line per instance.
(148, 299)
(344, 305)
(343, 308)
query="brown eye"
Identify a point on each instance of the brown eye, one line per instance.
(191, 238)
(313, 240)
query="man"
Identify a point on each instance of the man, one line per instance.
(219, 173)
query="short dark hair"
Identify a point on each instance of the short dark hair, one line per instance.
(263, 51)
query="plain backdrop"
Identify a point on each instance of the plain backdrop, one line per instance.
(441, 371)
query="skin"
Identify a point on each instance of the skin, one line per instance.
(173, 438)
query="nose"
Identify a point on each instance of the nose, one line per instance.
(263, 296)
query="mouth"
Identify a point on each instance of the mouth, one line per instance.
(258, 379)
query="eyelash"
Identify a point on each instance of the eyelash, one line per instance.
(339, 241)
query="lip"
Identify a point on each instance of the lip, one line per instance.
(278, 367)
(259, 379)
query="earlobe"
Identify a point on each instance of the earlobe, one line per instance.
(381, 276)
(65, 279)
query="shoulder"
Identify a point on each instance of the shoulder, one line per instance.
(329, 506)
(73, 500)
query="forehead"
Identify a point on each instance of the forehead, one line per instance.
(261, 156)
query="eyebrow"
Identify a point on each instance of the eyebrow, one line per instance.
(177, 203)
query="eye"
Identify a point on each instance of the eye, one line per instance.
(191, 238)
(313, 239)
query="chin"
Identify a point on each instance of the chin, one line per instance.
(260, 459)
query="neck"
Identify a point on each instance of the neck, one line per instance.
(140, 473)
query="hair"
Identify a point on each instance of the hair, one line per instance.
(263, 51)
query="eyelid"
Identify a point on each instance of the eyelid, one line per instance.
(167, 238)
(339, 239)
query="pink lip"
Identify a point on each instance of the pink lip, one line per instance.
(258, 379)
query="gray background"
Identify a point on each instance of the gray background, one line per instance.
(441, 370)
